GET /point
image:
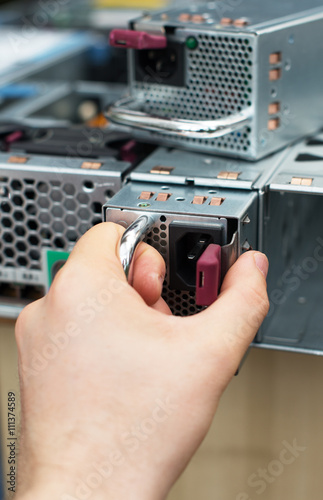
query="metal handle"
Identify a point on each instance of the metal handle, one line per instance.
(121, 114)
(130, 240)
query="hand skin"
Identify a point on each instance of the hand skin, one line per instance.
(116, 405)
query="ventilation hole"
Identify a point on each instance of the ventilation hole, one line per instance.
(22, 261)
(9, 252)
(55, 183)
(21, 246)
(44, 203)
(83, 199)
(17, 200)
(109, 194)
(83, 214)
(44, 218)
(7, 237)
(70, 205)
(96, 207)
(58, 227)
(69, 189)
(20, 231)
(16, 185)
(42, 187)
(31, 210)
(96, 221)
(71, 220)
(57, 212)
(56, 196)
(33, 240)
(32, 224)
(30, 194)
(6, 222)
(88, 186)
(59, 242)
(45, 234)
(71, 236)
(34, 255)
(19, 216)
(5, 207)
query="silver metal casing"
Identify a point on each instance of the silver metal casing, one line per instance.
(268, 68)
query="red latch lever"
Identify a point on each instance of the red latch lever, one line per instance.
(140, 40)
(208, 275)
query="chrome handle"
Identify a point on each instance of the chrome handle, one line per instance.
(130, 240)
(121, 114)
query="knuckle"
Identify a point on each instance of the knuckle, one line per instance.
(115, 230)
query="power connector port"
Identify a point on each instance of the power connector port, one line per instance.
(161, 66)
(187, 242)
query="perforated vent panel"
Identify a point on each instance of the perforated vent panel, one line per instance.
(181, 303)
(45, 213)
(219, 83)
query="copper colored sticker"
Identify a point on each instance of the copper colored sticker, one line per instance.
(306, 182)
(275, 74)
(91, 165)
(159, 169)
(273, 124)
(301, 181)
(240, 23)
(273, 108)
(233, 175)
(18, 159)
(185, 17)
(275, 58)
(226, 21)
(197, 18)
(228, 175)
(216, 201)
(163, 196)
(146, 195)
(199, 200)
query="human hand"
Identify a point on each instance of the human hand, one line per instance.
(117, 394)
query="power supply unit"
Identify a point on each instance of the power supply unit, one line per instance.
(240, 80)
(293, 240)
(185, 222)
(47, 203)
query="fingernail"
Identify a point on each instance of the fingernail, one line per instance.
(262, 263)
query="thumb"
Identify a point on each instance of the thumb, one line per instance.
(231, 323)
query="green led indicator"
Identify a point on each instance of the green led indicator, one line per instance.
(144, 205)
(191, 43)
